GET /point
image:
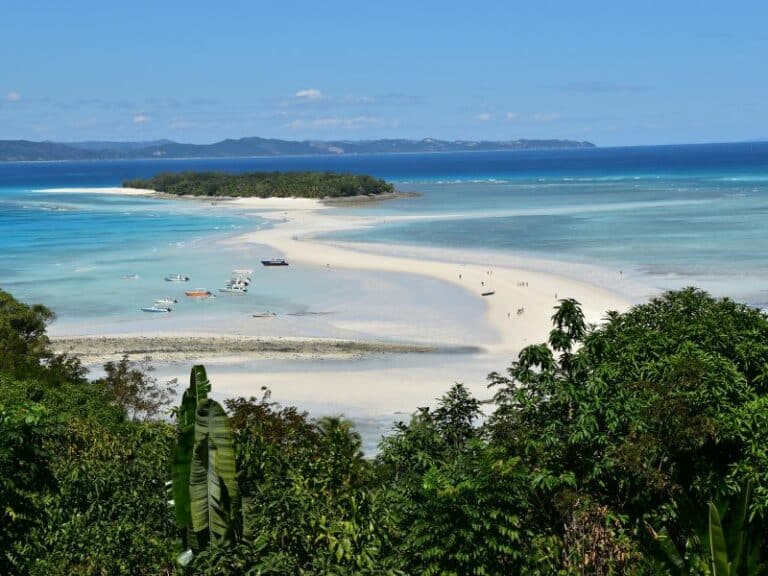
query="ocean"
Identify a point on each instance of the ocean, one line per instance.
(671, 215)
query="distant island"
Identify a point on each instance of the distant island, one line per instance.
(264, 184)
(25, 150)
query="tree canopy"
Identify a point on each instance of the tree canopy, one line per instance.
(264, 184)
(639, 446)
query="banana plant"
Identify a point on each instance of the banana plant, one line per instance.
(715, 547)
(199, 386)
(205, 491)
(213, 485)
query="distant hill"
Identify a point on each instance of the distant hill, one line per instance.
(21, 150)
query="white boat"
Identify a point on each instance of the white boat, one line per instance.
(242, 272)
(156, 309)
(166, 301)
(177, 278)
(233, 290)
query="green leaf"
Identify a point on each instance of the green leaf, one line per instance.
(717, 546)
(667, 547)
(199, 386)
(213, 487)
(738, 529)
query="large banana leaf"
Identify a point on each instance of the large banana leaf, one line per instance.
(738, 529)
(717, 546)
(213, 486)
(199, 386)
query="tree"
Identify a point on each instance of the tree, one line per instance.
(23, 342)
(130, 387)
(655, 403)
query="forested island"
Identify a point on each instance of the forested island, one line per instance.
(264, 184)
(638, 447)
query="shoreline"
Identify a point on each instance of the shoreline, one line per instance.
(519, 308)
(522, 299)
(365, 377)
(182, 347)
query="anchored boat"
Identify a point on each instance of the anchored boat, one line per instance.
(198, 293)
(156, 309)
(274, 262)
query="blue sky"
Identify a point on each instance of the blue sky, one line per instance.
(612, 72)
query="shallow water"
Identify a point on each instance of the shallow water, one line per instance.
(669, 216)
(675, 215)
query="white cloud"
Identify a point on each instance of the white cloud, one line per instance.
(483, 116)
(546, 116)
(309, 94)
(335, 122)
(141, 119)
(512, 116)
(13, 97)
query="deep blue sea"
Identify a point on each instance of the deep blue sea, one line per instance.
(675, 215)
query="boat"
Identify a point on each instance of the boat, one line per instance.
(243, 272)
(198, 293)
(233, 290)
(274, 262)
(489, 293)
(176, 278)
(265, 315)
(166, 301)
(156, 308)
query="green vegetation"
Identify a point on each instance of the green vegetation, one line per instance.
(636, 447)
(264, 184)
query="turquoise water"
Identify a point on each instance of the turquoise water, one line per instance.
(675, 215)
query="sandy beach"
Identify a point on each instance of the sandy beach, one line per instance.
(364, 375)
(518, 307)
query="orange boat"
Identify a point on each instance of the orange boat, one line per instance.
(198, 293)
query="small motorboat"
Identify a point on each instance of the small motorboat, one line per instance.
(489, 293)
(236, 289)
(156, 309)
(177, 278)
(243, 272)
(198, 293)
(166, 301)
(274, 262)
(264, 315)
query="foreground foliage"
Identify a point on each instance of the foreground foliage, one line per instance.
(636, 447)
(264, 184)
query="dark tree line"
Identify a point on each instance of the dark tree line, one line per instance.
(264, 184)
(636, 447)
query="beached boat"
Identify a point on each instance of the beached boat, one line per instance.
(264, 315)
(198, 293)
(166, 301)
(274, 262)
(156, 309)
(176, 278)
(489, 293)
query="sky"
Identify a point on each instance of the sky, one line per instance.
(611, 72)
